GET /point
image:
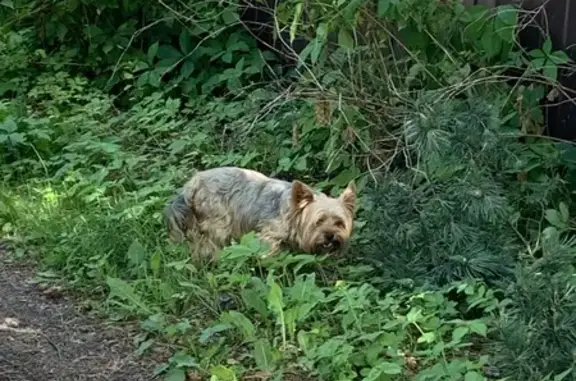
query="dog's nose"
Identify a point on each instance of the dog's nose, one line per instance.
(330, 237)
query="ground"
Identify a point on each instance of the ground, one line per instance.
(43, 337)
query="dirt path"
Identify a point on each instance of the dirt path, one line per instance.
(45, 339)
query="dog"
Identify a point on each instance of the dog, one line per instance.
(219, 205)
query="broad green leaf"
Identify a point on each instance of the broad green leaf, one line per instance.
(211, 331)
(182, 360)
(427, 337)
(166, 64)
(290, 316)
(559, 57)
(508, 15)
(227, 57)
(154, 78)
(547, 46)
(178, 145)
(537, 53)
(223, 373)
(506, 22)
(187, 68)
(345, 39)
(253, 300)
(9, 125)
(538, 63)
(124, 291)
(275, 298)
(479, 328)
(168, 52)
(136, 253)
(459, 333)
(263, 355)
(301, 164)
(229, 15)
(144, 346)
(413, 315)
(473, 376)
(185, 42)
(322, 32)
(176, 374)
(551, 71)
(295, 21)
(155, 261)
(346, 176)
(381, 369)
(240, 321)
(304, 287)
(143, 79)
(152, 51)
(491, 43)
(564, 212)
(16, 137)
(317, 47)
(554, 218)
(383, 6)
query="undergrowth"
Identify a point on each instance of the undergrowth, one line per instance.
(462, 260)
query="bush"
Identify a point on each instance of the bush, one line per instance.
(446, 216)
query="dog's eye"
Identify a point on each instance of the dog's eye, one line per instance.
(320, 221)
(339, 224)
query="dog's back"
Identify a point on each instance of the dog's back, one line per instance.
(227, 202)
(249, 195)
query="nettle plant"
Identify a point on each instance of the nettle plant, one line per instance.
(277, 316)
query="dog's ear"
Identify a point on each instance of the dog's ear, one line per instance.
(302, 195)
(348, 198)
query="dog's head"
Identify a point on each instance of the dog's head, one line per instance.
(323, 224)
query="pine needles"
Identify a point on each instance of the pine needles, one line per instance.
(446, 216)
(452, 213)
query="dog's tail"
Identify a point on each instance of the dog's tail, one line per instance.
(178, 216)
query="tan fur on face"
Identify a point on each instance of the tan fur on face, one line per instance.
(324, 223)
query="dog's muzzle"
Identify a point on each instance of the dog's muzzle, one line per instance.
(331, 243)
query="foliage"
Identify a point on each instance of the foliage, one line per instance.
(106, 108)
(447, 216)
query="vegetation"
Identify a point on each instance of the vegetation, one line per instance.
(462, 265)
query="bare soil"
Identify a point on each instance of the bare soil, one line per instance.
(43, 337)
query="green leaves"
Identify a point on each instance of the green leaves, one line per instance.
(383, 368)
(240, 321)
(136, 253)
(176, 374)
(296, 19)
(473, 376)
(558, 218)
(383, 6)
(263, 355)
(121, 290)
(152, 52)
(459, 333)
(9, 132)
(547, 61)
(478, 327)
(222, 373)
(185, 42)
(345, 39)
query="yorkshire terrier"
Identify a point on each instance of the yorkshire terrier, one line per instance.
(219, 205)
